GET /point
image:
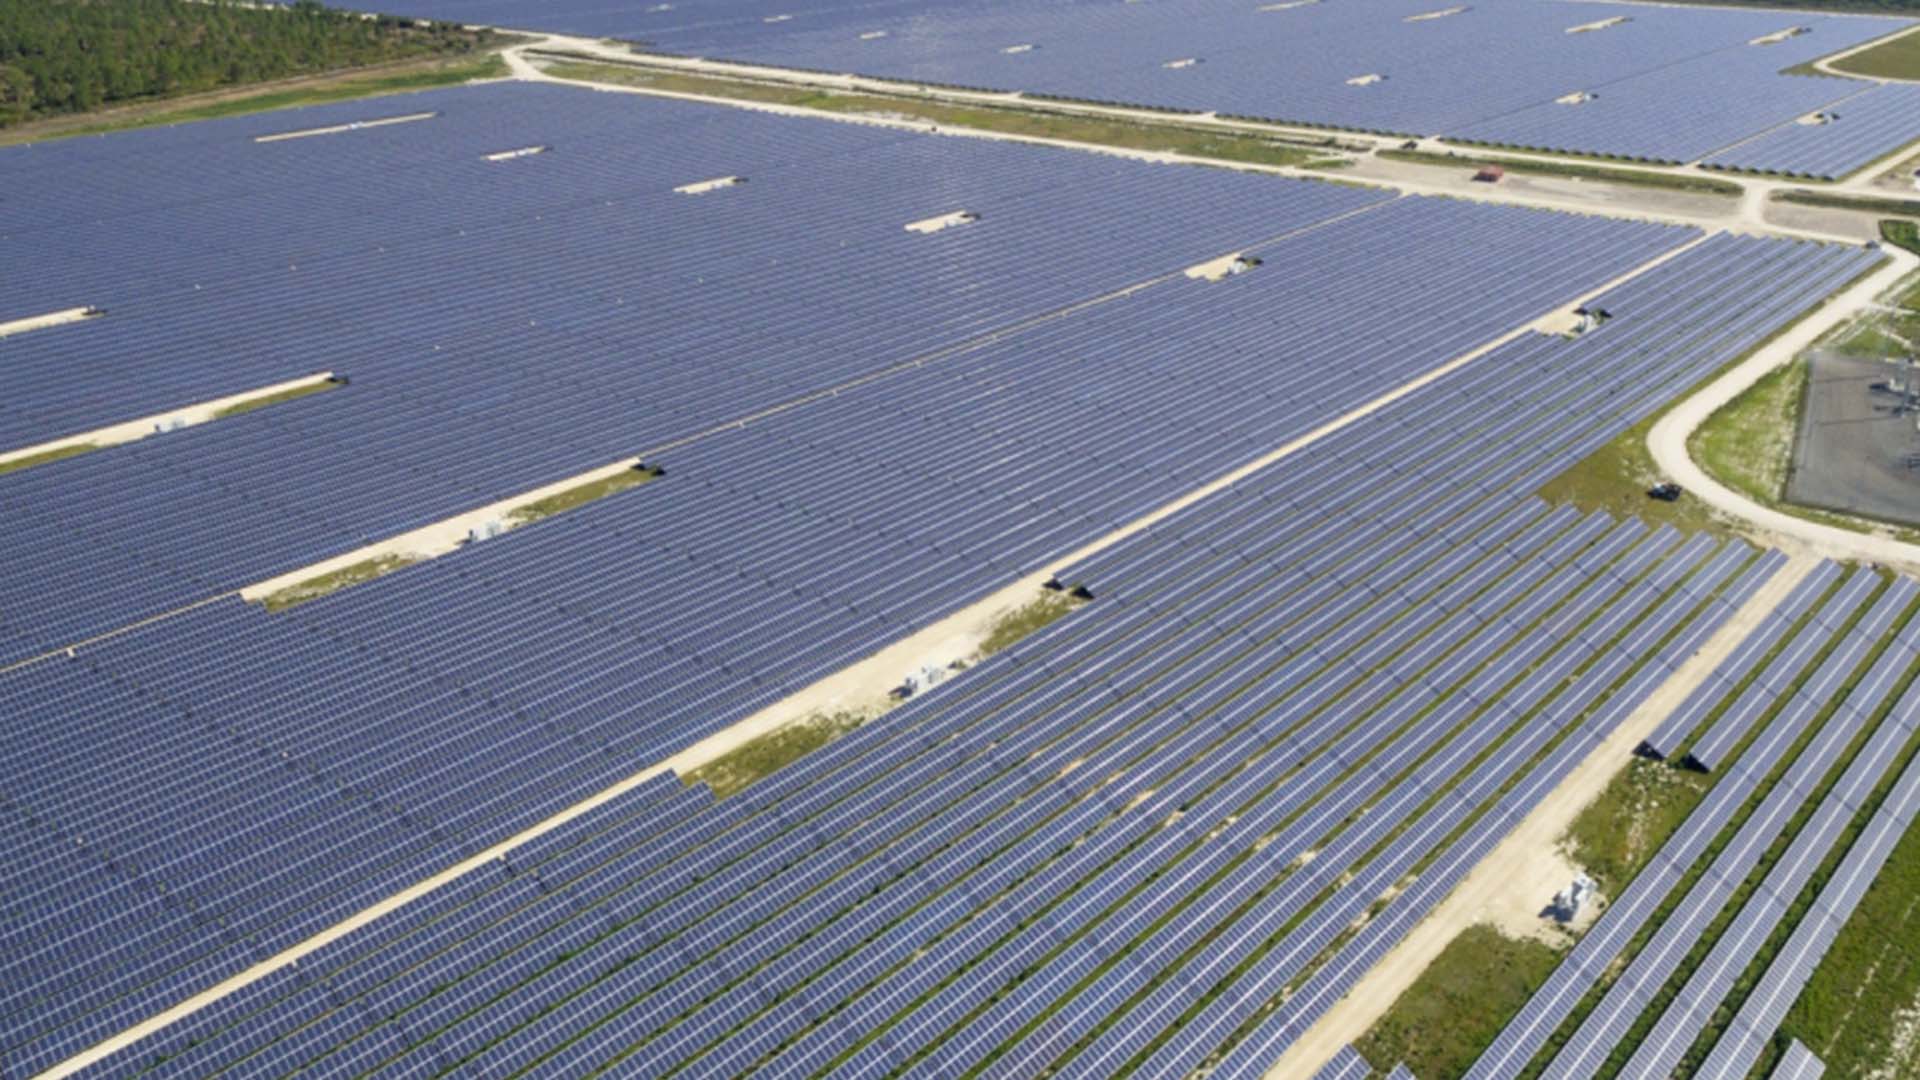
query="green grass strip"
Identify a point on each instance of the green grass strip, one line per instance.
(1159, 137)
(1748, 443)
(1900, 233)
(1902, 207)
(1023, 622)
(327, 584)
(739, 768)
(1455, 1009)
(579, 495)
(44, 457)
(239, 408)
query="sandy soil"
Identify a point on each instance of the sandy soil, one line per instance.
(172, 420)
(1519, 877)
(439, 538)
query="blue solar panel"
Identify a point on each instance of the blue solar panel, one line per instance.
(1671, 84)
(1386, 603)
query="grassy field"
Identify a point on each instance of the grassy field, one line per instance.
(578, 495)
(1225, 146)
(737, 769)
(423, 75)
(327, 584)
(1905, 234)
(1449, 1016)
(46, 457)
(1896, 59)
(1748, 444)
(1023, 622)
(1544, 167)
(1615, 479)
(264, 400)
(1616, 835)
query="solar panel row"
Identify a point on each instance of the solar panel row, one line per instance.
(1606, 1026)
(1847, 136)
(1760, 1015)
(1673, 84)
(1346, 1064)
(1704, 993)
(206, 790)
(1595, 954)
(594, 643)
(797, 850)
(1684, 722)
(1781, 674)
(1799, 1063)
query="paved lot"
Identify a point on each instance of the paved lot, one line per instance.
(1854, 443)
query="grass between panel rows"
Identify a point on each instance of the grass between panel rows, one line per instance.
(579, 495)
(327, 584)
(1860, 1012)
(1766, 954)
(1226, 146)
(46, 457)
(261, 402)
(1612, 839)
(1737, 902)
(1721, 839)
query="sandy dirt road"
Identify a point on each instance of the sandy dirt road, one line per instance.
(1527, 868)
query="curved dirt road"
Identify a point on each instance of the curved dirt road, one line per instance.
(1668, 439)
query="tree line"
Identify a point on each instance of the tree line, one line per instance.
(68, 56)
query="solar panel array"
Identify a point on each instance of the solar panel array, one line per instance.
(1228, 664)
(1346, 1064)
(1673, 84)
(1659, 1051)
(1851, 652)
(1779, 678)
(1853, 133)
(424, 717)
(1746, 1037)
(1690, 1013)
(1799, 1063)
(1745, 659)
(1294, 683)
